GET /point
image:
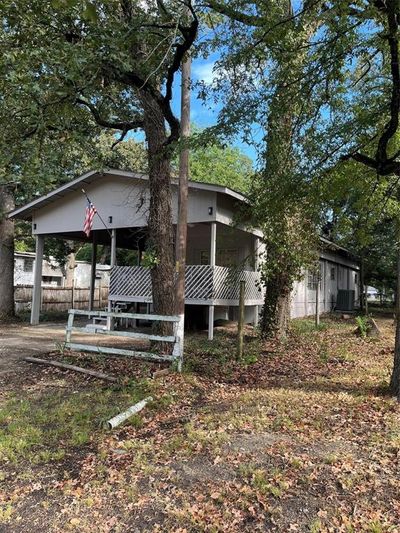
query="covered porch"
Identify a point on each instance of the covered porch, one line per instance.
(219, 253)
(226, 255)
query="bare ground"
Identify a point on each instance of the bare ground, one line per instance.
(303, 437)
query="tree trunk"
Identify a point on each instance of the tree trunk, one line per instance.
(70, 266)
(160, 229)
(276, 308)
(395, 378)
(105, 254)
(6, 254)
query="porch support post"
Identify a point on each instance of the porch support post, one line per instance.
(213, 250)
(93, 272)
(113, 262)
(256, 266)
(113, 259)
(37, 281)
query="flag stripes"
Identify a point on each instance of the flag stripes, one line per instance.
(88, 222)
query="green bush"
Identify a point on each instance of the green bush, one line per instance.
(362, 325)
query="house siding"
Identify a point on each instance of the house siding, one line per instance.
(303, 302)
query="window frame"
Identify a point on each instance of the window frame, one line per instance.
(28, 261)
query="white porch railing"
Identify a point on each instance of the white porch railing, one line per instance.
(204, 285)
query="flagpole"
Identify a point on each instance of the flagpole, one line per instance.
(97, 213)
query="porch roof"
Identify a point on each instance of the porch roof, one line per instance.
(25, 212)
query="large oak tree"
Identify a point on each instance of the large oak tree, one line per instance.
(112, 64)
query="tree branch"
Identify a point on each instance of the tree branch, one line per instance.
(393, 124)
(238, 16)
(124, 126)
(384, 165)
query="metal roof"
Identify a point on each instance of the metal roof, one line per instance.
(25, 212)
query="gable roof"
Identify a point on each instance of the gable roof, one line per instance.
(25, 212)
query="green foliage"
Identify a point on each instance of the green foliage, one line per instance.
(306, 326)
(362, 325)
(150, 259)
(222, 165)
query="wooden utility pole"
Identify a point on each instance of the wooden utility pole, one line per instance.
(181, 226)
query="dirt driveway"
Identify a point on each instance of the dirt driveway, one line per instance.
(20, 340)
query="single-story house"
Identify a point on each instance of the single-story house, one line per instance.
(52, 274)
(219, 253)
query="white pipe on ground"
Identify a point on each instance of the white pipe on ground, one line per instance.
(118, 419)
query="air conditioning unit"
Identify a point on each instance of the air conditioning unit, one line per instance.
(345, 300)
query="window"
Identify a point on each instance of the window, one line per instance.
(356, 279)
(226, 258)
(333, 273)
(54, 281)
(28, 265)
(204, 257)
(312, 281)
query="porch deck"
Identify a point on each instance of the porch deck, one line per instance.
(205, 285)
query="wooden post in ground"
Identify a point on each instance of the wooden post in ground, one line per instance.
(256, 267)
(239, 352)
(317, 291)
(361, 286)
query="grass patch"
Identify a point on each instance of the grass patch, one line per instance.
(43, 427)
(305, 326)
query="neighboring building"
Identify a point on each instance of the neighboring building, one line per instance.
(52, 275)
(24, 264)
(218, 253)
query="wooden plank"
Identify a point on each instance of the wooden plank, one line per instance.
(57, 364)
(137, 316)
(129, 334)
(69, 326)
(118, 351)
(132, 299)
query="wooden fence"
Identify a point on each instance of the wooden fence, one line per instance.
(60, 298)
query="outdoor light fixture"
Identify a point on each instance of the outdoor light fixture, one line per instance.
(210, 210)
(110, 220)
(34, 226)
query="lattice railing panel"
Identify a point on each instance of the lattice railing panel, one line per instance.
(199, 282)
(203, 282)
(131, 281)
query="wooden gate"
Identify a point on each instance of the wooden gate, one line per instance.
(174, 339)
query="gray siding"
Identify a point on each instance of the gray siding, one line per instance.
(344, 277)
(126, 201)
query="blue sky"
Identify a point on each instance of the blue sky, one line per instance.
(205, 114)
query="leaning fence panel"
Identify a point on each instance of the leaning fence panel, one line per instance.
(175, 356)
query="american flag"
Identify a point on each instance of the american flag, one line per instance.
(88, 223)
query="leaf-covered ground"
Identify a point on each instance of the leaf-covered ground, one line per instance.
(297, 437)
